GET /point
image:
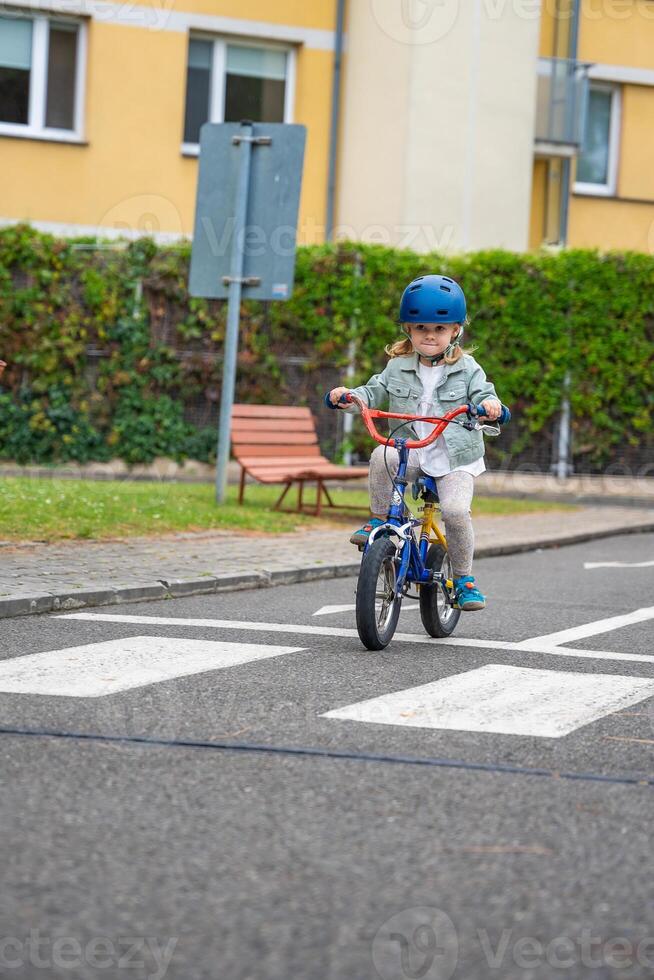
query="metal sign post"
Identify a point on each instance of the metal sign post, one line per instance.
(235, 280)
(241, 190)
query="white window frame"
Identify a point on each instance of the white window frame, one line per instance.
(35, 128)
(218, 75)
(610, 187)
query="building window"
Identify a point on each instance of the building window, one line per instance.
(597, 163)
(198, 88)
(15, 66)
(228, 82)
(41, 77)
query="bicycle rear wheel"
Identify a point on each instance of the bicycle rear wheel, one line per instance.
(438, 617)
(378, 602)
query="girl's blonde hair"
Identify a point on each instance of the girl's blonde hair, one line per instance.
(404, 347)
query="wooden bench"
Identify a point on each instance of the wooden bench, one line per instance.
(276, 444)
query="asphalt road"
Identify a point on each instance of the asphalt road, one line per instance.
(330, 847)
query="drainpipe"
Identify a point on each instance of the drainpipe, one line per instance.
(574, 30)
(335, 121)
(566, 168)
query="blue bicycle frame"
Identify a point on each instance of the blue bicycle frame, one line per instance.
(412, 558)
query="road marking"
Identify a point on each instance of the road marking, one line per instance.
(97, 669)
(590, 629)
(618, 564)
(294, 629)
(625, 738)
(503, 700)
(350, 607)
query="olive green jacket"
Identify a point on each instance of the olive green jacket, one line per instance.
(399, 389)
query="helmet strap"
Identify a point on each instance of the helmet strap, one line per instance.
(448, 350)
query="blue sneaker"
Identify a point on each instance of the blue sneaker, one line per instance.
(468, 596)
(361, 536)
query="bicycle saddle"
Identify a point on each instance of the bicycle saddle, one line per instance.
(425, 486)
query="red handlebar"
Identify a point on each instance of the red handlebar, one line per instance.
(368, 414)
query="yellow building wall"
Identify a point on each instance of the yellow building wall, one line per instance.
(537, 216)
(131, 175)
(636, 173)
(313, 105)
(617, 33)
(547, 22)
(315, 14)
(610, 224)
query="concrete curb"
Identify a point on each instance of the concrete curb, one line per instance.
(25, 604)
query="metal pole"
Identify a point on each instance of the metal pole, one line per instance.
(563, 468)
(244, 144)
(335, 121)
(348, 418)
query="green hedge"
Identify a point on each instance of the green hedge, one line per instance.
(109, 356)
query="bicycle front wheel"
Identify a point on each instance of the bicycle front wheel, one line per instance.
(438, 617)
(378, 601)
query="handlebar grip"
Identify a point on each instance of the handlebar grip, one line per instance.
(343, 400)
(505, 415)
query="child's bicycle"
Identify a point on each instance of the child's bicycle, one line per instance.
(392, 559)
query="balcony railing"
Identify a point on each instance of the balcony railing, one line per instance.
(561, 101)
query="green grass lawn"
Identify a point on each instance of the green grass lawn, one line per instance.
(51, 509)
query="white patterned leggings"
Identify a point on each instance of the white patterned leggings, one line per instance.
(455, 492)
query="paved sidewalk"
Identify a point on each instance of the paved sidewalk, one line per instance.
(36, 577)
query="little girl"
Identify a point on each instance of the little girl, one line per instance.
(430, 374)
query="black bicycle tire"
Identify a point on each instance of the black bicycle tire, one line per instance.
(368, 628)
(429, 613)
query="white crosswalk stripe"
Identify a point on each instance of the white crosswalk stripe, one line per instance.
(504, 700)
(97, 669)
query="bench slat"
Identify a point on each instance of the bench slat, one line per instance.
(274, 438)
(249, 450)
(277, 461)
(268, 411)
(308, 473)
(262, 426)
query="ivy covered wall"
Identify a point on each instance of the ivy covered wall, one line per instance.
(109, 357)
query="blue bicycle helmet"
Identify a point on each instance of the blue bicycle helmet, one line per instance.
(434, 299)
